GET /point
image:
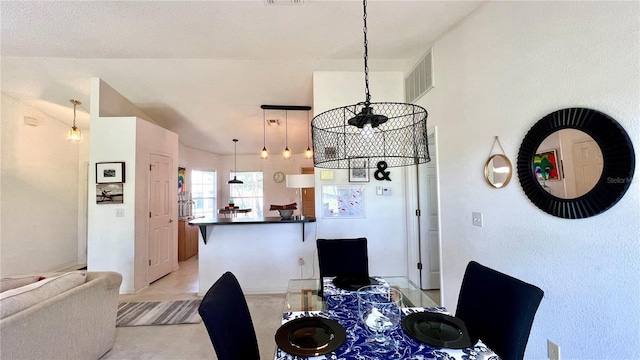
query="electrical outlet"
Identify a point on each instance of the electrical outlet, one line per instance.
(300, 261)
(553, 350)
(477, 219)
(119, 212)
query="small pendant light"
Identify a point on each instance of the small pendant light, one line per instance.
(286, 154)
(74, 134)
(308, 153)
(264, 154)
(235, 170)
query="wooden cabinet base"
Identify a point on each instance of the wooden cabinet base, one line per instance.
(187, 240)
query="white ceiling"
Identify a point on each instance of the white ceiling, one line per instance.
(203, 68)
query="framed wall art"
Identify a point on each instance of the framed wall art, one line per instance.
(343, 201)
(181, 177)
(358, 170)
(546, 165)
(109, 193)
(109, 172)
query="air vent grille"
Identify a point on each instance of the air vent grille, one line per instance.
(420, 79)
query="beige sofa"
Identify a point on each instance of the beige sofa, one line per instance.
(79, 323)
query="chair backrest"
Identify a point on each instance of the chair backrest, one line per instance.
(343, 257)
(498, 309)
(226, 316)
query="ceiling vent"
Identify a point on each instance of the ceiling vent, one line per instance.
(420, 79)
(283, 2)
(273, 122)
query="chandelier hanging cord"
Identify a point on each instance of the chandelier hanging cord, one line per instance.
(366, 55)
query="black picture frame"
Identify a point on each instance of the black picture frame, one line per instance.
(110, 172)
(359, 170)
(618, 162)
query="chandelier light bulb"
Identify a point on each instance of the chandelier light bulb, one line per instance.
(367, 131)
(308, 153)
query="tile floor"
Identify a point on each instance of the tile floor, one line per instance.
(183, 284)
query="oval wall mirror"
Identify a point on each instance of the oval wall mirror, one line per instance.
(576, 163)
(497, 171)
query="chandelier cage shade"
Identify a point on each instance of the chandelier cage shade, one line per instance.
(395, 133)
(74, 133)
(235, 166)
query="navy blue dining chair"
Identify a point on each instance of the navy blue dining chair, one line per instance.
(226, 316)
(342, 257)
(498, 309)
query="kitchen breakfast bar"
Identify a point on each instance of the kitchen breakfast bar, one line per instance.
(262, 252)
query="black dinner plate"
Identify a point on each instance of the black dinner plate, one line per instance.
(439, 330)
(353, 283)
(310, 336)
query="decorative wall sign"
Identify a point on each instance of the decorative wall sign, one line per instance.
(381, 174)
(358, 170)
(109, 194)
(343, 201)
(109, 172)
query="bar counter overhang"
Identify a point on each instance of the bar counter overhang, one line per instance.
(262, 252)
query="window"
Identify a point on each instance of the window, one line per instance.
(203, 193)
(249, 194)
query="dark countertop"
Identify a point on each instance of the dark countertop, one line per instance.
(202, 223)
(240, 221)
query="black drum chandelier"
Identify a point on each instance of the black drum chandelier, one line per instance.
(395, 133)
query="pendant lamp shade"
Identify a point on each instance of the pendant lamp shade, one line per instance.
(235, 170)
(74, 133)
(389, 132)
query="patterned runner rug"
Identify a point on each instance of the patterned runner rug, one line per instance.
(158, 313)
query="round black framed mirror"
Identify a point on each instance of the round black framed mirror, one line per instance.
(618, 163)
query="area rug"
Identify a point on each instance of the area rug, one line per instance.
(158, 313)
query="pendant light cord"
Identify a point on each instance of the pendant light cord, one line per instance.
(74, 115)
(264, 129)
(286, 130)
(366, 55)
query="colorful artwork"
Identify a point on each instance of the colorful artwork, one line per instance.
(181, 177)
(546, 166)
(342, 201)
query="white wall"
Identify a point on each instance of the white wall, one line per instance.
(384, 222)
(121, 243)
(497, 73)
(111, 239)
(39, 216)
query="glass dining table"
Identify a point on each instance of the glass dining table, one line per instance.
(303, 300)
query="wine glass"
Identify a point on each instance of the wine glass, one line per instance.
(380, 309)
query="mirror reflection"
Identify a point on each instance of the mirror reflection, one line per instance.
(568, 163)
(497, 171)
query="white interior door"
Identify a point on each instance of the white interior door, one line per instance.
(161, 218)
(587, 165)
(429, 220)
